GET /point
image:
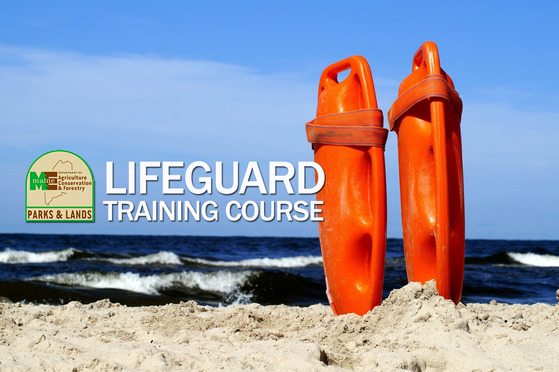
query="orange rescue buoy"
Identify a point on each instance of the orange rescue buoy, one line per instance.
(348, 141)
(426, 117)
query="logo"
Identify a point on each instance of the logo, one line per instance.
(59, 187)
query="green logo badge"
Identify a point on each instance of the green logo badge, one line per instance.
(59, 187)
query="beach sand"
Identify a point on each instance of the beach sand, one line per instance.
(414, 329)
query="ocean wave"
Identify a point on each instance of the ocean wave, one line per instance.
(237, 297)
(12, 256)
(214, 281)
(281, 262)
(534, 259)
(160, 258)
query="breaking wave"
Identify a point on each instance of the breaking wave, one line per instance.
(534, 259)
(282, 262)
(214, 281)
(11, 256)
(160, 258)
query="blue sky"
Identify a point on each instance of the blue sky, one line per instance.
(236, 81)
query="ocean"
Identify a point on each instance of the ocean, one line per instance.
(219, 271)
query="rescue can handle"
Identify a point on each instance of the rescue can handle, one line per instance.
(359, 80)
(426, 59)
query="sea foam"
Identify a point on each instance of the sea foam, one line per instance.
(160, 258)
(281, 262)
(11, 256)
(534, 259)
(214, 281)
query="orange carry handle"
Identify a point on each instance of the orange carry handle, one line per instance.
(353, 93)
(348, 141)
(426, 117)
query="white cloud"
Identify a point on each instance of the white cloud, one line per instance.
(131, 107)
(197, 107)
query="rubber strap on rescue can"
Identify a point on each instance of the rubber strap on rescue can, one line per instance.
(434, 85)
(354, 128)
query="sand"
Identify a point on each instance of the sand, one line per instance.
(414, 329)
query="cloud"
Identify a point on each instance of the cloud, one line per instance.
(196, 107)
(137, 107)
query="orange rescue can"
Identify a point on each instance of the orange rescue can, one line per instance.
(426, 117)
(348, 141)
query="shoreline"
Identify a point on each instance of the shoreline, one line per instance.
(414, 329)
